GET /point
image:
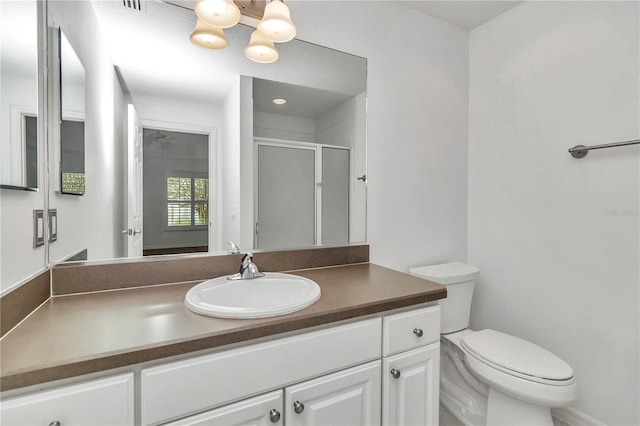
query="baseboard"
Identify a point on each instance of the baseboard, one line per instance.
(573, 417)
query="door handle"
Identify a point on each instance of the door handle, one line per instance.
(131, 232)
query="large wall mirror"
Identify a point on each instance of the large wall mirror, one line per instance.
(185, 149)
(22, 199)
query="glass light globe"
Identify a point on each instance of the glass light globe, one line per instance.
(208, 36)
(261, 49)
(276, 22)
(221, 13)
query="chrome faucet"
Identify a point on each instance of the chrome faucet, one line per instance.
(248, 269)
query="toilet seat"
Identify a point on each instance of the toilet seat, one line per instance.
(517, 357)
(500, 367)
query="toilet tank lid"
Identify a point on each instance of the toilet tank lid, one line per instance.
(447, 273)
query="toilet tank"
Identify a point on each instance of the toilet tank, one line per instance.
(459, 279)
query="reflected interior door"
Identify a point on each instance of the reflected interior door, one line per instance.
(286, 197)
(133, 233)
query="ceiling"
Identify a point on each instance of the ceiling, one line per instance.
(304, 102)
(465, 15)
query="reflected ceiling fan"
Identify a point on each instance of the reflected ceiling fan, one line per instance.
(157, 136)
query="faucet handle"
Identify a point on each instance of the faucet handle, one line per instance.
(233, 248)
(247, 256)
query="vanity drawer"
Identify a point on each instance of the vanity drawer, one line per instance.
(98, 402)
(412, 329)
(180, 388)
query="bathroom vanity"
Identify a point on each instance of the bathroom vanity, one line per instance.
(366, 353)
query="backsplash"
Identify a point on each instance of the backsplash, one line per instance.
(19, 303)
(82, 278)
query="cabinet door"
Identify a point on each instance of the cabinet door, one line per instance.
(349, 397)
(410, 387)
(99, 402)
(263, 410)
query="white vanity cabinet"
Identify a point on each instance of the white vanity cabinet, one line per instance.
(346, 374)
(381, 370)
(108, 401)
(411, 367)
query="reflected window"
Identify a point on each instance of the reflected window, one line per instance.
(31, 150)
(187, 201)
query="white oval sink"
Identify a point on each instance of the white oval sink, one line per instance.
(268, 296)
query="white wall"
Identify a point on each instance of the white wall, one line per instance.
(556, 238)
(337, 126)
(230, 176)
(417, 80)
(177, 111)
(358, 211)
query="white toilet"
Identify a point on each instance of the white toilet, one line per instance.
(488, 377)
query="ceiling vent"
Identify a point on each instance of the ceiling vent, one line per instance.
(133, 4)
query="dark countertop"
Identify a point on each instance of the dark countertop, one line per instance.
(86, 333)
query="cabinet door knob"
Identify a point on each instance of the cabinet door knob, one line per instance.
(54, 423)
(418, 332)
(274, 415)
(395, 373)
(298, 407)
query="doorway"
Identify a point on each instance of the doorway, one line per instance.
(178, 192)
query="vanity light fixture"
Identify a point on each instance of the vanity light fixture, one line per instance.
(214, 15)
(279, 101)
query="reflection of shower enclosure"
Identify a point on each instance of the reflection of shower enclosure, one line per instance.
(302, 195)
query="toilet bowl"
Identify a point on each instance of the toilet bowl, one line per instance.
(488, 377)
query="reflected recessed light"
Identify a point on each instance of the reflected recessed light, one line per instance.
(279, 101)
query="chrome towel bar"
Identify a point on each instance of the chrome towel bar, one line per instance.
(579, 151)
